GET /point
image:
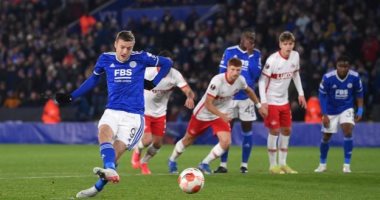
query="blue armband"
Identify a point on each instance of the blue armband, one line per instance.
(360, 111)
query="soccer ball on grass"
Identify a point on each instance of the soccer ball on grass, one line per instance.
(191, 180)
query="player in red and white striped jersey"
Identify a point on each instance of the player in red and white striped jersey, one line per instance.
(281, 67)
(213, 110)
(156, 101)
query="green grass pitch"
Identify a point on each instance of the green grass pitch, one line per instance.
(60, 171)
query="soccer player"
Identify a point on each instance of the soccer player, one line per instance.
(122, 123)
(212, 111)
(337, 93)
(243, 107)
(280, 68)
(156, 101)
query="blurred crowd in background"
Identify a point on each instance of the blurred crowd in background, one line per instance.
(39, 56)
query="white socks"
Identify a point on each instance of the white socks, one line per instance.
(215, 152)
(272, 150)
(177, 151)
(283, 143)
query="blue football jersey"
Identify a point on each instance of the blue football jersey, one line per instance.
(125, 81)
(251, 68)
(341, 93)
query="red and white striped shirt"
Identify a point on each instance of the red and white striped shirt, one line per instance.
(280, 71)
(223, 91)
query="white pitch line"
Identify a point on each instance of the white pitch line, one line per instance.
(76, 176)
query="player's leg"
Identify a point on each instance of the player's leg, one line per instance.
(346, 120)
(283, 140)
(179, 148)
(246, 115)
(107, 127)
(223, 132)
(144, 142)
(223, 159)
(157, 128)
(272, 122)
(246, 145)
(325, 142)
(283, 145)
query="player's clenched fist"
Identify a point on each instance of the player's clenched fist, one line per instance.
(62, 98)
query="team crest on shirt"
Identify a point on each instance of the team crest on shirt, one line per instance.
(212, 87)
(349, 85)
(133, 64)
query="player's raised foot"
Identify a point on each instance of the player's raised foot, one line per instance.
(221, 169)
(90, 192)
(144, 169)
(107, 174)
(276, 170)
(321, 168)
(205, 168)
(287, 170)
(135, 160)
(243, 170)
(172, 167)
(346, 168)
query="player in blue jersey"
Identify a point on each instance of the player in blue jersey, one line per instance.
(122, 123)
(337, 93)
(243, 107)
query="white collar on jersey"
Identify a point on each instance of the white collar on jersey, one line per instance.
(337, 76)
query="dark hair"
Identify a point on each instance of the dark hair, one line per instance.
(235, 62)
(166, 53)
(343, 58)
(286, 36)
(126, 36)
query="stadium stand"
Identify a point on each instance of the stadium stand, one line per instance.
(40, 54)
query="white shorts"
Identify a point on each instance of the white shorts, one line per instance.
(244, 110)
(126, 127)
(346, 116)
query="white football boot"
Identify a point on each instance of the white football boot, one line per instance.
(321, 168)
(346, 168)
(90, 192)
(107, 174)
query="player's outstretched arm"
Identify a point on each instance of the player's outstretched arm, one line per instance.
(214, 110)
(165, 64)
(251, 94)
(86, 86)
(189, 103)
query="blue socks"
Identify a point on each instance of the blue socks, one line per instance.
(99, 185)
(324, 149)
(246, 146)
(108, 155)
(347, 146)
(224, 156)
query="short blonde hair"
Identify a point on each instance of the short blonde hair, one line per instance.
(286, 36)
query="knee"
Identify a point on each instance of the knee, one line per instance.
(326, 137)
(246, 126)
(225, 144)
(286, 131)
(157, 145)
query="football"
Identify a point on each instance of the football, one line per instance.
(191, 180)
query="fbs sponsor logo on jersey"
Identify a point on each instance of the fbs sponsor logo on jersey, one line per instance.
(341, 94)
(122, 75)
